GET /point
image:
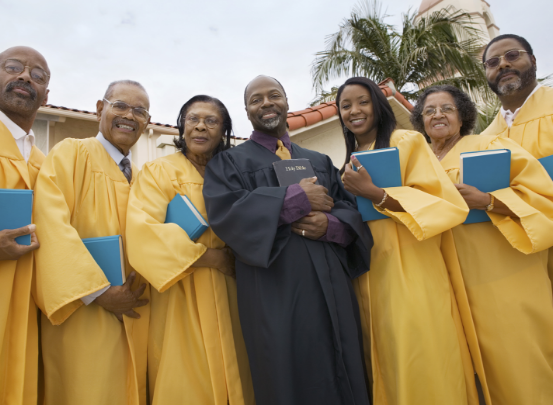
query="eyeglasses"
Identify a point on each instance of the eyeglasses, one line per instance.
(121, 108)
(445, 109)
(510, 56)
(16, 67)
(209, 122)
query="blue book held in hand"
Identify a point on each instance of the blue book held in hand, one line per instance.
(107, 251)
(383, 166)
(16, 209)
(182, 212)
(547, 163)
(487, 171)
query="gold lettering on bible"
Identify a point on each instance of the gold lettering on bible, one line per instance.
(294, 168)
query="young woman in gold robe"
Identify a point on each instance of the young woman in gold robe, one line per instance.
(503, 262)
(412, 330)
(196, 352)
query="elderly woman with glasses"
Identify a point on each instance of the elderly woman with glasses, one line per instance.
(196, 352)
(503, 262)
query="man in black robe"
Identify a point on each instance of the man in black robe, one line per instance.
(297, 249)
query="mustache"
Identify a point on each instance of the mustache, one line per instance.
(119, 120)
(22, 85)
(506, 72)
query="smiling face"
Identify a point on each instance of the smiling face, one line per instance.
(267, 106)
(356, 110)
(19, 94)
(510, 77)
(123, 131)
(441, 126)
(200, 139)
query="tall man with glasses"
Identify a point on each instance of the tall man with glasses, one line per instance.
(24, 77)
(519, 366)
(94, 335)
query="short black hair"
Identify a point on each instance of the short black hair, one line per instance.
(227, 122)
(247, 85)
(112, 85)
(525, 44)
(382, 112)
(465, 107)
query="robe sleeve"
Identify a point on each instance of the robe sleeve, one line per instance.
(345, 210)
(65, 270)
(431, 202)
(246, 220)
(162, 253)
(530, 197)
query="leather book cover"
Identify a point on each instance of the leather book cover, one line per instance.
(292, 171)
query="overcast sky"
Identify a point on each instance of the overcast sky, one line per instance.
(178, 49)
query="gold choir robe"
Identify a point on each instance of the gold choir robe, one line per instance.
(196, 352)
(503, 263)
(90, 357)
(532, 129)
(18, 315)
(411, 322)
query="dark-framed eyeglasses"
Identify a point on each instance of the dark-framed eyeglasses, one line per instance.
(209, 122)
(16, 67)
(120, 108)
(510, 56)
(445, 109)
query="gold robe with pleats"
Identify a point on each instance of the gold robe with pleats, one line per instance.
(90, 357)
(532, 129)
(503, 263)
(196, 352)
(410, 317)
(18, 314)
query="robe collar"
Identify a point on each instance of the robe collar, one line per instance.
(270, 142)
(9, 150)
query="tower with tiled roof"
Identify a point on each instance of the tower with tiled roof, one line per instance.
(478, 9)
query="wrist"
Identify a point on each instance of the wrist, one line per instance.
(375, 194)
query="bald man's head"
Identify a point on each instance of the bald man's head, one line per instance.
(24, 78)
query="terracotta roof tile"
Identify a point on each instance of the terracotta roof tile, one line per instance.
(323, 111)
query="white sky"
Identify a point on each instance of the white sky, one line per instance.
(178, 49)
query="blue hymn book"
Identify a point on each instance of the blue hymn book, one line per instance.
(107, 251)
(547, 163)
(487, 171)
(383, 166)
(182, 212)
(16, 209)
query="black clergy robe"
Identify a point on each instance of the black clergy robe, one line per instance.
(298, 311)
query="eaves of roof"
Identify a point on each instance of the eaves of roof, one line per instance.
(323, 111)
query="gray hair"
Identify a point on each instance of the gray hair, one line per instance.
(112, 86)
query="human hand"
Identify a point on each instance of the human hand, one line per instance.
(226, 263)
(317, 195)
(120, 300)
(360, 182)
(10, 249)
(312, 226)
(474, 198)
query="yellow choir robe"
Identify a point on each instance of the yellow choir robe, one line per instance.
(411, 322)
(196, 352)
(533, 130)
(503, 264)
(90, 357)
(18, 315)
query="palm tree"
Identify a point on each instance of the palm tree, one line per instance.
(442, 48)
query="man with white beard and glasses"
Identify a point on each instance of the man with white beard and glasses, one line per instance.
(297, 249)
(526, 114)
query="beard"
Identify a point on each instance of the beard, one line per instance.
(524, 79)
(271, 123)
(17, 102)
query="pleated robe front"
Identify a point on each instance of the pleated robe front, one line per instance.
(90, 357)
(196, 353)
(410, 317)
(532, 129)
(504, 265)
(18, 314)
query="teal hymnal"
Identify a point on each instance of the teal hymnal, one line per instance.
(547, 163)
(16, 209)
(182, 212)
(383, 166)
(107, 251)
(488, 171)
